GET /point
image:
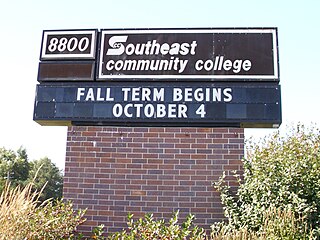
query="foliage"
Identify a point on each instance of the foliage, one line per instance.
(21, 217)
(285, 224)
(277, 224)
(282, 173)
(46, 173)
(55, 220)
(149, 228)
(15, 168)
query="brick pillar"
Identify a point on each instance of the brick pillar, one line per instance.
(112, 171)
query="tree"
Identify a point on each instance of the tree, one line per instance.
(15, 168)
(282, 172)
(44, 172)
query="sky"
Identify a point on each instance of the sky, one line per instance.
(22, 23)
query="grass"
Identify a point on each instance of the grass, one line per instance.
(22, 216)
(16, 205)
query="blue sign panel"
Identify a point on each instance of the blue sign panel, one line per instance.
(170, 104)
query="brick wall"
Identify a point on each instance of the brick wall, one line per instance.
(112, 171)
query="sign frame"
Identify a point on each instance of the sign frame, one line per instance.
(69, 56)
(129, 104)
(190, 77)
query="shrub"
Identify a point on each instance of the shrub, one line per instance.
(277, 224)
(282, 173)
(22, 218)
(148, 228)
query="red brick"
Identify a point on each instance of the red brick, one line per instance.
(114, 170)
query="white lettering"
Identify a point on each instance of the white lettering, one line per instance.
(172, 110)
(158, 95)
(216, 94)
(177, 94)
(108, 95)
(132, 110)
(246, 65)
(109, 65)
(193, 47)
(202, 94)
(145, 94)
(115, 43)
(125, 93)
(80, 93)
(201, 111)
(90, 95)
(149, 110)
(126, 111)
(220, 64)
(227, 95)
(130, 49)
(208, 65)
(94, 94)
(164, 49)
(237, 66)
(198, 66)
(99, 98)
(117, 47)
(135, 94)
(148, 65)
(161, 110)
(227, 65)
(118, 65)
(188, 94)
(198, 94)
(175, 49)
(138, 108)
(182, 111)
(183, 64)
(117, 110)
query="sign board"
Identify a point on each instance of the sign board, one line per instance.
(68, 44)
(157, 104)
(159, 77)
(195, 54)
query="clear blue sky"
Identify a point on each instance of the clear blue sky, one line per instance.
(22, 23)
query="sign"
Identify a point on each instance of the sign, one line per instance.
(217, 54)
(68, 44)
(171, 104)
(159, 77)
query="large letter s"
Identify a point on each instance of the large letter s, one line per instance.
(115, 43)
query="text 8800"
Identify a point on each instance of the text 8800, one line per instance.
(68, 45)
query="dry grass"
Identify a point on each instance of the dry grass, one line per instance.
(278, 224)
(16, 205)
(23, 217)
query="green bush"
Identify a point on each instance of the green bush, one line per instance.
(282, 173)
(54, 220)
(149, 228)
